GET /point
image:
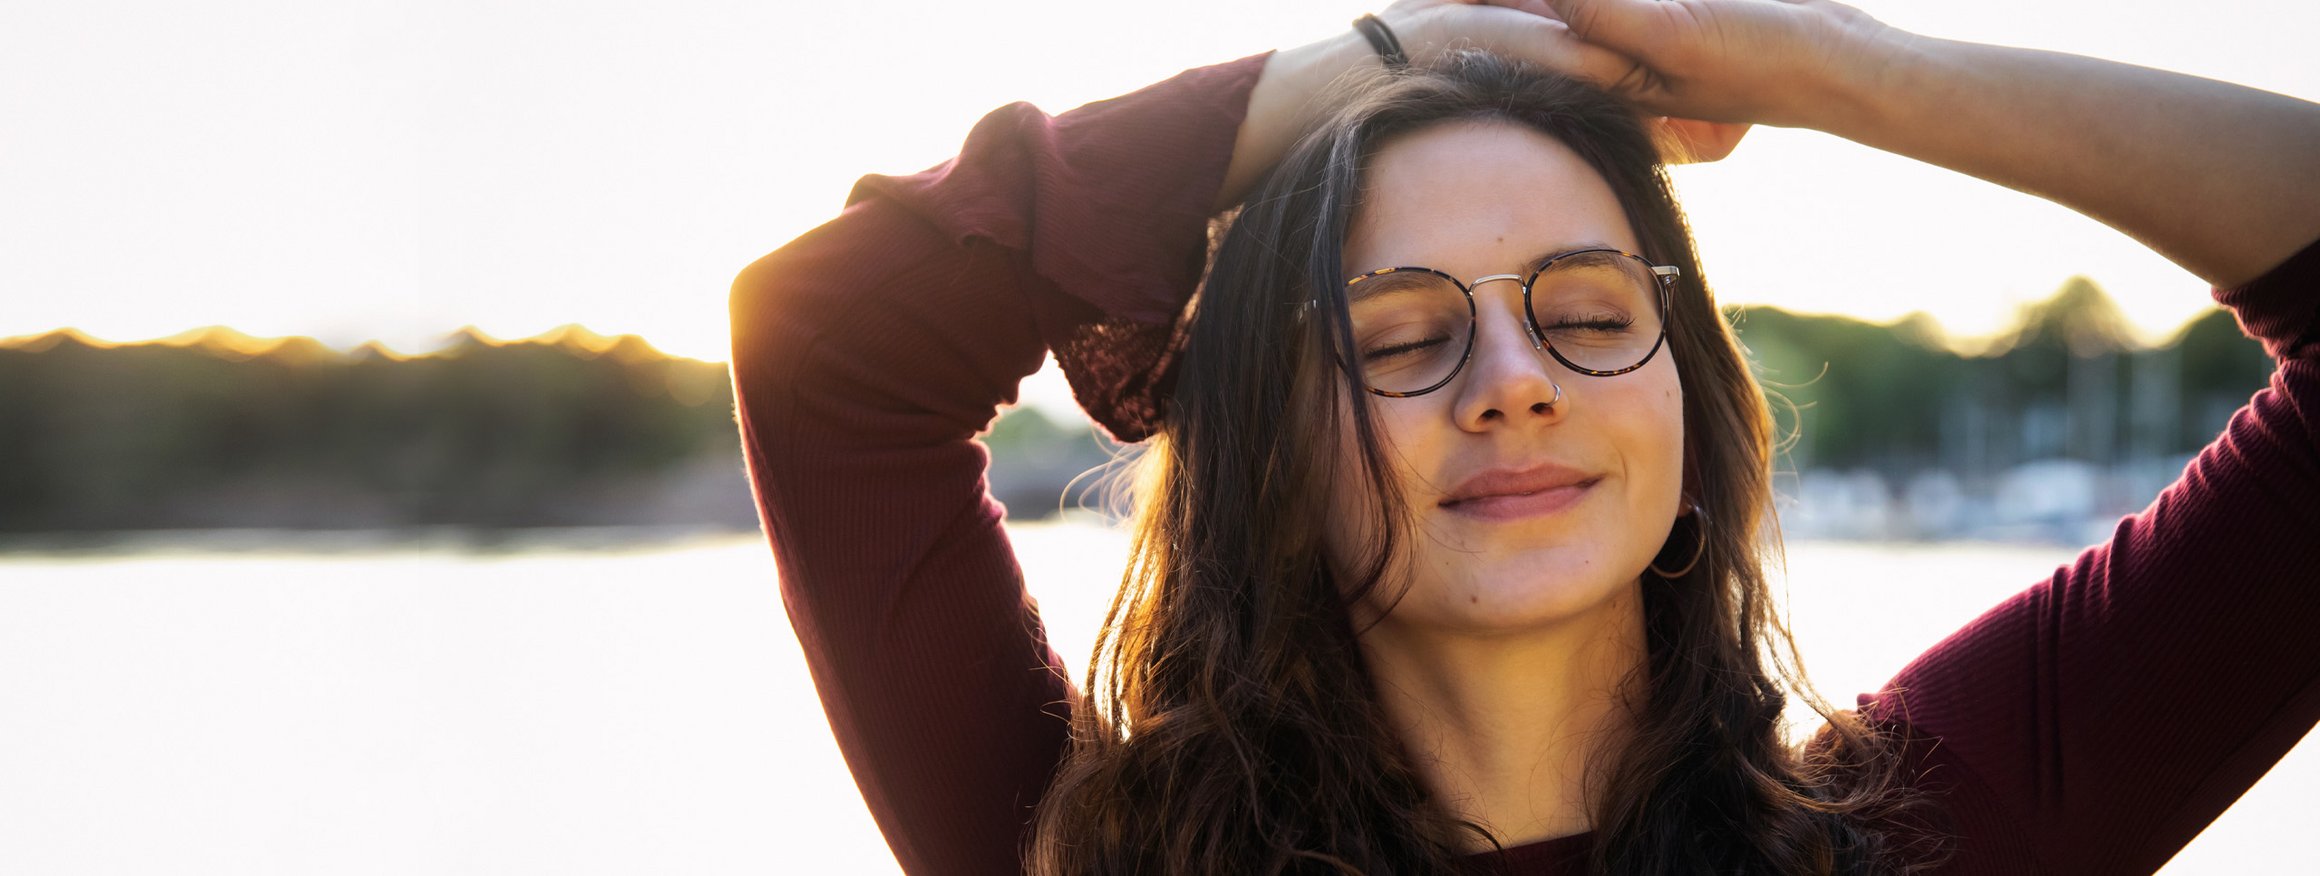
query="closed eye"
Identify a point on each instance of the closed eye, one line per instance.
(1601, 325)
(1389, 352)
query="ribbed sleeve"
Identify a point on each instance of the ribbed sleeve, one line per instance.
(2097, 721)
(866, 355)
(1104, 207)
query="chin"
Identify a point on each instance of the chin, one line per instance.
(1526, 591)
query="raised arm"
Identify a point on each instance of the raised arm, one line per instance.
(2098, 720)
(866, 355)
(2219, 178)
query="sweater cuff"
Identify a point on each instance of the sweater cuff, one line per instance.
(2282, 307)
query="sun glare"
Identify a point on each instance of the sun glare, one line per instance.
(433, 176)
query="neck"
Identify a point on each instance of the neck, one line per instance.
(1503, 729)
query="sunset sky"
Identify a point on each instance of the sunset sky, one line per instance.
(395, 170)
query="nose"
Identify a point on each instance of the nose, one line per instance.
(1509, 377)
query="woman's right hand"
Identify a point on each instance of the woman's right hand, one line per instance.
(1775, 62)
(1533, 31)
(1282, 106)
(1528, 30)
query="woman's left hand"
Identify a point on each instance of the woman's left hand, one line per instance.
(1534, 32)
(2216, 177)
(1282, 105)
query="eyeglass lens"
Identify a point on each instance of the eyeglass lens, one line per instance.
(1598, 311)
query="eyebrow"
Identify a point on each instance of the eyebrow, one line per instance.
(1541, 260)
(1530, 266)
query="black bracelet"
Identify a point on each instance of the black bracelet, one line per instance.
(1382, 38)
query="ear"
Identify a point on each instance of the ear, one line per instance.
(1691, 141)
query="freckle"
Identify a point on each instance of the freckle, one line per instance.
(1473, 598)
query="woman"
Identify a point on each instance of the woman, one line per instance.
(1448, 549)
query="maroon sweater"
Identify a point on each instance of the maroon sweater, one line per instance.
(2093, 723)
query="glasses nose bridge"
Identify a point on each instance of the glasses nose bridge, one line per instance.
(1531, 331)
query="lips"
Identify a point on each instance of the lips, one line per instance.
(1506, 494)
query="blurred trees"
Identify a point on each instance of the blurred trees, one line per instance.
(2067, 382)
(217, 429)
(224, 430)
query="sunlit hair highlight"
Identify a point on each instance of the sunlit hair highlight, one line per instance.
(1229, 724)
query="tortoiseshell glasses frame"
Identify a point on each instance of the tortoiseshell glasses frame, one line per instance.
(1663, 279)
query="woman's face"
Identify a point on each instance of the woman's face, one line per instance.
(1472, 199)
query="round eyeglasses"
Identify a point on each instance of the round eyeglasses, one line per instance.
(1600, 312)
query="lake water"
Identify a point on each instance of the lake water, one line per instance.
(636, 707)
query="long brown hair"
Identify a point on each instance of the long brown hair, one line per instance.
(1229, 724)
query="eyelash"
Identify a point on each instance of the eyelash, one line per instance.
(1598, 324)
(1398, 349)
(1601, 323)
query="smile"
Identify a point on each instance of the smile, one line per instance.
(1517, 506)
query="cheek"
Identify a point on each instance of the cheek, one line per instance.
(1643, 421)
(1671, 416)
(1662, 444)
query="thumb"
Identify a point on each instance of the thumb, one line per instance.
(1623, 25)
(1691, 141)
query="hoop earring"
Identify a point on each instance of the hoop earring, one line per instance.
(1701, 515)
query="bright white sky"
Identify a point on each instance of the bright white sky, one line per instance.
(395, 170)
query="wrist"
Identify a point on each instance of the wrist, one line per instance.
(1867, 71)
(1425, 33)
(1285, 103)
(1382, 40)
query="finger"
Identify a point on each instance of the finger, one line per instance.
(1553, 45)
(1402, 7)
(1534, 7)
(1604, 68)
(1691, 141)
(1626, 25)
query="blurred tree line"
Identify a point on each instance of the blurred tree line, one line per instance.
(216, 429)
(2066, 382)
(224, 430)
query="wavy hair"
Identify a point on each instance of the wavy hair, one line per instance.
(1229, 724)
